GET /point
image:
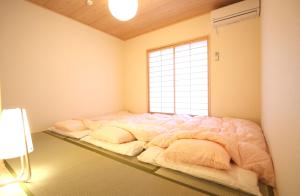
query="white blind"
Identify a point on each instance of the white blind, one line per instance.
(178, 79)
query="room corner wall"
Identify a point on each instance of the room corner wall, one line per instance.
(235, 78)
(280, 31)
(55, 67)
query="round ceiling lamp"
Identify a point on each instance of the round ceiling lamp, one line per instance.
(123, 10)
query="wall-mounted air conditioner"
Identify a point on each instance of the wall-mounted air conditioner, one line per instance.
(235, 12)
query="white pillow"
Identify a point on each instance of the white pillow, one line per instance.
(112, 134)
(150, 154)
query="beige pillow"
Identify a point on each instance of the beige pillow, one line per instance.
(198, 152)
(112, 134)
(70, 125)
(150, 154)
(92, 124)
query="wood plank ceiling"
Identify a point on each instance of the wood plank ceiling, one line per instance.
(152, 14)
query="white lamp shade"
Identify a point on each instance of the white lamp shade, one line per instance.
(123, 9)
(14, 129)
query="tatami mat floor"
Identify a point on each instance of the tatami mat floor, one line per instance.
(9, 189)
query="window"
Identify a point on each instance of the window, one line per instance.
(178, 79)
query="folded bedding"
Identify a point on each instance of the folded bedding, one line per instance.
(112, 116)
(80, 127)
(150, 155)
(144, 127)
(112, 134)
(242, 139)
(73, 134)
(130, 148)
(198, 152)
(70, 125)
(220, 144)
(234, 177)
(93, 124)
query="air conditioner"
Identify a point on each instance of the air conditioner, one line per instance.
(235, 12)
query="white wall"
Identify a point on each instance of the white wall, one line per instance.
(55, 67)
(280, 29)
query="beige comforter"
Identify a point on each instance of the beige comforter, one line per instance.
(242, 139)
(144, 127)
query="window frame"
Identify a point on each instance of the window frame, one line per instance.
(203, 38)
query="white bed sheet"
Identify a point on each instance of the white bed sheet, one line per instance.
(73, 134)
(236, 177)
(129, 148)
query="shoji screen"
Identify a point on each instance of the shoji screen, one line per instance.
(178, 79)
(161, 81)
(191, 78)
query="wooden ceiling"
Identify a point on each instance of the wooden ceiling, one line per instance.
(152, 14)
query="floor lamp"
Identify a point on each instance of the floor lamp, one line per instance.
(15, 141)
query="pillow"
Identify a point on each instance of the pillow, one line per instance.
(150, 154)
(92, 124)
(198, 152)
(112, 134)
(70, 125)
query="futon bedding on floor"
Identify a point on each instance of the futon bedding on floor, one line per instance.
(241, 141)
(61, 167)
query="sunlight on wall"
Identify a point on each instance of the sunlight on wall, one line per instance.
(58, 69)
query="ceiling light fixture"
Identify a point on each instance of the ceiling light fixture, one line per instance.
(123, 10)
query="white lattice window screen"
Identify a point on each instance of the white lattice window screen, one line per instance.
(178, 79)
(161, 81)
